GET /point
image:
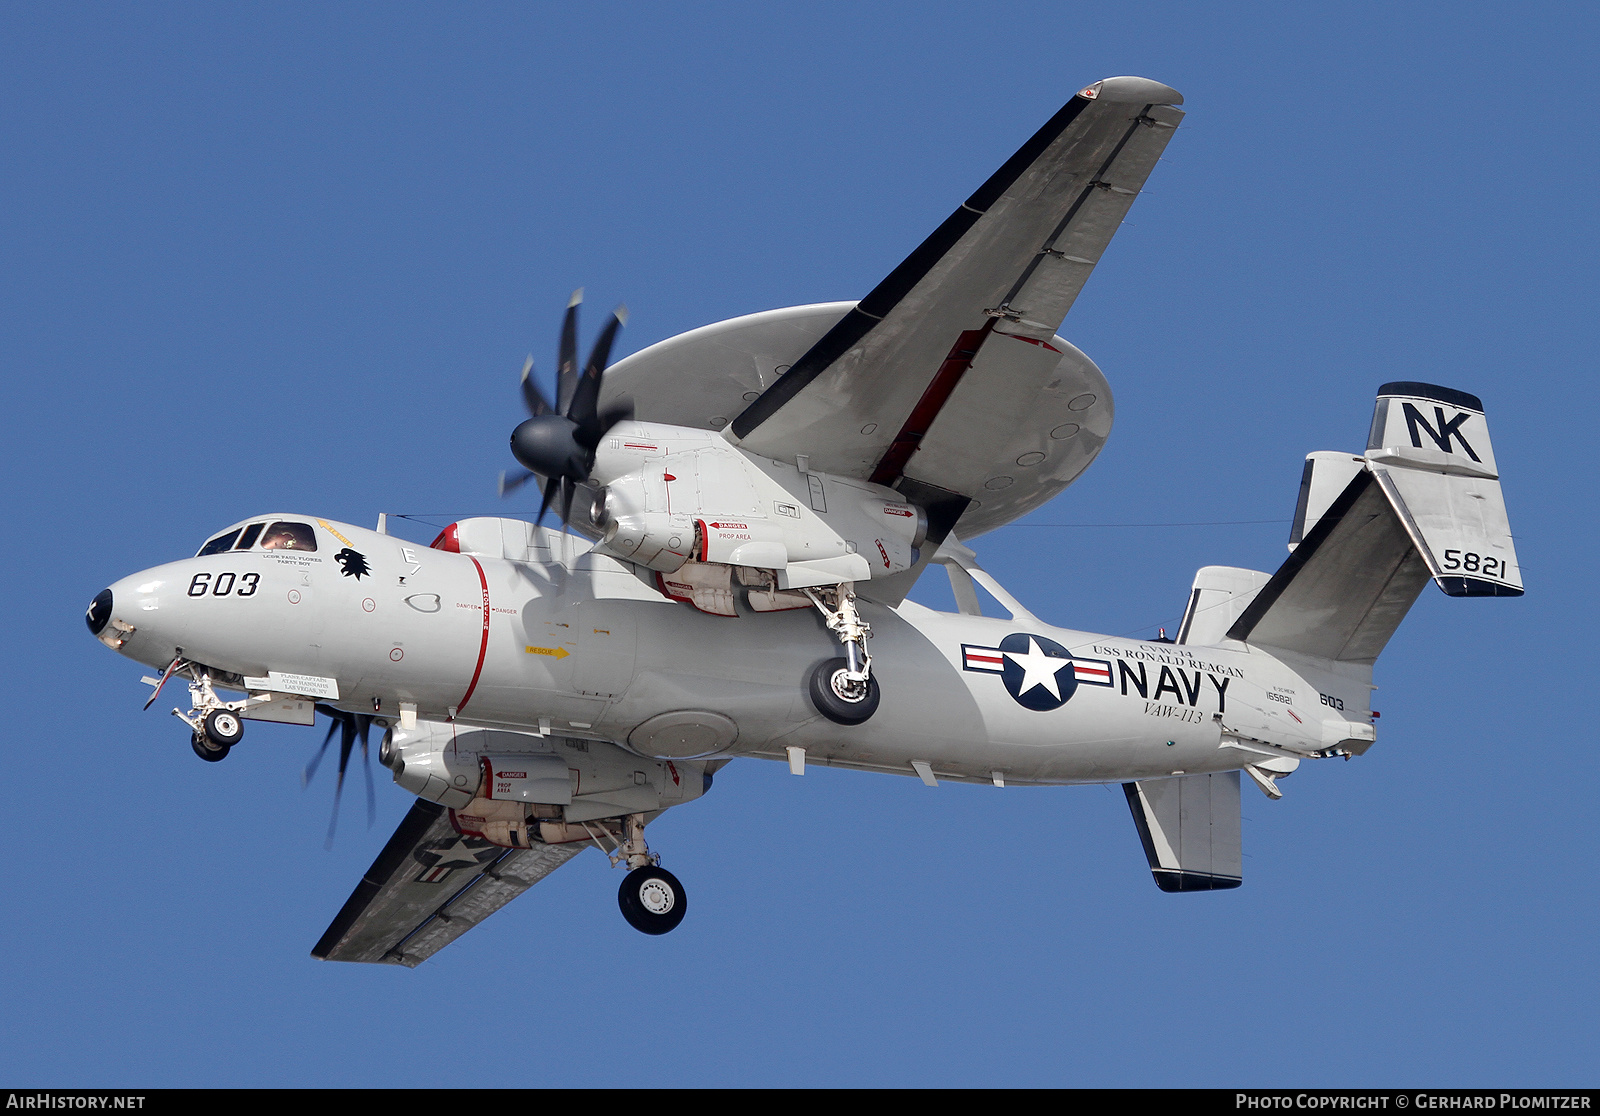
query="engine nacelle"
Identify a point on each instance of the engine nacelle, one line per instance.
(674, 495)
(505, 785)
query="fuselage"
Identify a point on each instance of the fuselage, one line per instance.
(583, 646)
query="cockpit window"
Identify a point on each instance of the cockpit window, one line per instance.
(219, 544)
(289, 536)
(248, 539)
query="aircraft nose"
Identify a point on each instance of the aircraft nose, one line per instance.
(99, 612)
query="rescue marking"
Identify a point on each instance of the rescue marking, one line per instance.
(483, 645)
(341, 538)
(553, 652)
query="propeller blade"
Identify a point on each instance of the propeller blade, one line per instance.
(586, 398)
(620, 411)
(567, 491)
(532, 397)
(364, 723)
(310, 771)
(510, 483)
(347, 742)
(550, 487)
(567, 366)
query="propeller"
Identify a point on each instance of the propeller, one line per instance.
(351, 727)
(558, 442)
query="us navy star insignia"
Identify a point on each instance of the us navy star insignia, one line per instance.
(1038, 672)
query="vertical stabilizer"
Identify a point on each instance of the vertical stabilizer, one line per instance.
(1430, 453)
(1423, 502)
(1218, 598)
(1189, 826)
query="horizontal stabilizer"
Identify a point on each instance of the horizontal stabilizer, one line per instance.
(1189, 826)
(1346, 587)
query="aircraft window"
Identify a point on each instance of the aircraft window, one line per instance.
(218, 544)
(248, 539)
(289, 536)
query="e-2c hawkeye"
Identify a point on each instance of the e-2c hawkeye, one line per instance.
(747, 506)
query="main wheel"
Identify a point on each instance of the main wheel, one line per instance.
(206, 750)
(831, 694)
(224, 729)
(652, 900)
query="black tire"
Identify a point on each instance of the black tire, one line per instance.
(652, 900)
(223, 728)
(835, 707)
(206, 750)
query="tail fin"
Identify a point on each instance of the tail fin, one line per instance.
(1424, 501)
(1449, 502)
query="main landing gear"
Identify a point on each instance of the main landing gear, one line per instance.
(843, 689)
(651, 898)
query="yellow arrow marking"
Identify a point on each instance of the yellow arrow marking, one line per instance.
(553, 652)
(326, 526)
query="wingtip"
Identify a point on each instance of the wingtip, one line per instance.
(1132, 89)
(577, 297)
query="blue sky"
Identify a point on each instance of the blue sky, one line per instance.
(291, 256)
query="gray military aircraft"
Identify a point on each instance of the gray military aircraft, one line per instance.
(758, 496)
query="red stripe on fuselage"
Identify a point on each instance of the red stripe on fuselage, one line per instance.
(483, 645)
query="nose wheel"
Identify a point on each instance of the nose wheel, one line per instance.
(206, 750)
(215, 725)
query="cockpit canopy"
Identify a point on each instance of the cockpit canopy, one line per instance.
(282, 534)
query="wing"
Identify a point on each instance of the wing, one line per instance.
(953, 350)
(702, 378)
(429, 886)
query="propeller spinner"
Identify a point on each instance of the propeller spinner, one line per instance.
(558, 442)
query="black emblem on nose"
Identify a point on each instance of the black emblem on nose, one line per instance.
(353, 563)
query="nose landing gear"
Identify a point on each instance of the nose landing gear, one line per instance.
(215, 724)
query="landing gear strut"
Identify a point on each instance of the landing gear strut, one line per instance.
(215, 724)
(843, 690)
(651, 898)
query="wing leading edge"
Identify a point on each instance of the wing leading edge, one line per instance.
(1002, 270)
(429, 886)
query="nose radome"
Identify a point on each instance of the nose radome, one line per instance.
(99, 612)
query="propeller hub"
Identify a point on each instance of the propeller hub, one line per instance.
(548, 445)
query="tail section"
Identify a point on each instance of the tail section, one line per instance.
(1441, 478)
(1370, 531)
(1423, 503)
(1189, 827)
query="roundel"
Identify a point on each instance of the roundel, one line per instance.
(1037, 671)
